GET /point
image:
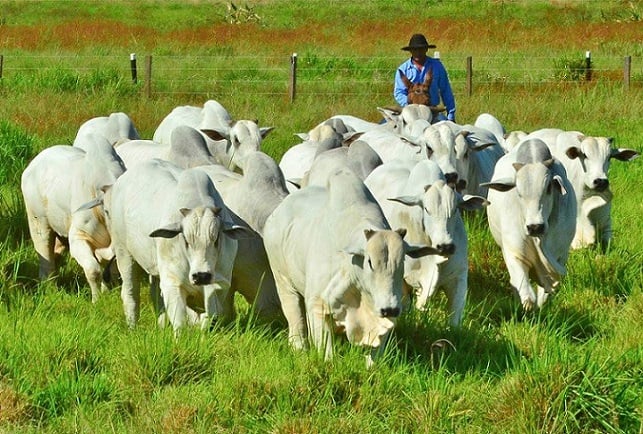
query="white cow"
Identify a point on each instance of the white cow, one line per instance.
(532, 216)
(417, 197)
(116, 128)
(173, 224)
(187, 148)
(337, 264)
(296, 161)
(231, 139)
(586, 160)
(358, 157)
(252, 197)
(507, 140)
(475, 161)
(55, 184)
(395, 120)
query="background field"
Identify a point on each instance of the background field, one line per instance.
(69, 366)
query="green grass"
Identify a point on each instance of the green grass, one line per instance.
(69, 366)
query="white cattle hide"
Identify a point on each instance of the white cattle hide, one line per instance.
(586, 160)
(229, 140)
(337, 264)
(417, 198)
(173, 224)
(55, 184)
(116, 128)
(532, 217)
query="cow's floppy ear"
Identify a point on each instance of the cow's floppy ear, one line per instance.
(622, 154)
(214, 134)
(500, 184)
(558, 182)
(574, 152)
(264, 131)
(418, 251)
(408, 200)
(91, 204)
(238, 232)
(472, 203)
(170, 231)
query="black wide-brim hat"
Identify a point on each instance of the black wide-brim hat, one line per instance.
(418, 41)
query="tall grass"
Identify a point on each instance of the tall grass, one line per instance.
(69, 366)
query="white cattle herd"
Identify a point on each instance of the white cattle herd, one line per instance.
(356, 224)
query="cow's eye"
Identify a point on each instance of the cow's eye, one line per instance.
(370, 264)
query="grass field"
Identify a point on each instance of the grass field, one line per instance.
(69, 366)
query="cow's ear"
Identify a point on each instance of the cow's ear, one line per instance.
(472, 203)
(624, 154)
(91, 204)
(238, 232)
(264, 131)
(499, 185)
(574, 152)
(557, 181)
(407, 200)
(418, 251)
(214, 134)
(166, 232)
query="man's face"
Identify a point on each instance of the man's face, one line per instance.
(418, 53)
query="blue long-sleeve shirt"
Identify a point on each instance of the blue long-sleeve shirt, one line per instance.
(440, 86)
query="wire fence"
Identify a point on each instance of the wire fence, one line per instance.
(293, 75)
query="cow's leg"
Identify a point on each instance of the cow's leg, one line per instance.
(519, 279)
(82, 252)
(428, 284)
(457, 296)
(293, 307)
(175, 302)
(214, 300)
(130, 288)
(377, 352)
(44, 239)
(542, 295)
(319, 326)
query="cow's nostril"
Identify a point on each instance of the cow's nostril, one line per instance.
(600, 184)
(201, 278)
(451, 178)
(536, 229)
(390, 312)
(446, 249)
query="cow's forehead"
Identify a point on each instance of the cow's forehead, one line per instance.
(532, 178)
(385, 247)
(439, 199)
(246, 131)
(596, 148)
(201, 223)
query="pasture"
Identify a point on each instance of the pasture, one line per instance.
(67, 365)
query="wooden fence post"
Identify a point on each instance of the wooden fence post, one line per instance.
(148, 75)
(588, 66)
(132, 62)
(1, 63)
(627, 70)
(469, 75)
(293, 77)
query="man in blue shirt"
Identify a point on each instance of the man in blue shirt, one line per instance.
(416, 68)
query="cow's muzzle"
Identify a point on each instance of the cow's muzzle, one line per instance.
(536, 229)
(601, 184)
(201, 278)
(390, 312)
